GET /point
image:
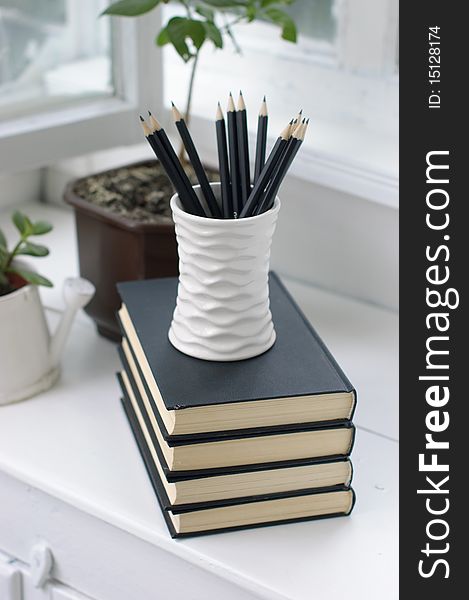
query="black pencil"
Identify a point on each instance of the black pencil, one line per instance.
(196, 163)
(282, 169)
(261, 142)
(227, 204)
(266, 173)
(159, 133)
(243, 151)
(233, 152)
(297, 121)
(169, 167)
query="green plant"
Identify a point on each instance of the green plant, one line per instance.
(207, 20)
(11, 274)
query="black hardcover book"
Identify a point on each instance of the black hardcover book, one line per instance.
(296, 381)
(194, 490)
(264, 446)
(135, 373)
(247, 512)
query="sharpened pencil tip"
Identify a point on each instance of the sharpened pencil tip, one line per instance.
(264, 100)
(149, 113)
(298, 117)
(286, 132)
(154, 124)
(231, 106)
(172, 103)
(241, 104)
(176, 114)
(146, 129)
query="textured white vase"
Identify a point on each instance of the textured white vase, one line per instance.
(222, 311)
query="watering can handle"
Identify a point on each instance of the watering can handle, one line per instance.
(77, 292)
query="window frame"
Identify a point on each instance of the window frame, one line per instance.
(83, 126)
(369, 60)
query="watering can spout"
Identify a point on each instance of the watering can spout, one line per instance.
(77, 293)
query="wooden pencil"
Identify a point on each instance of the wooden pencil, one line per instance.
(233, 153)
(298, 120)
(261, 142)
(266, 173)
(225, 184)
(243, 151)
(169, 167)
(159, 133)
(282, 168)
(196, 163)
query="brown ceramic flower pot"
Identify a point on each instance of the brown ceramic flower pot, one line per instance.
(113, 248)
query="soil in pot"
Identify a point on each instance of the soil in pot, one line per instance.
(15, 282)
(140, 192)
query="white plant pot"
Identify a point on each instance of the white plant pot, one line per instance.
(222, 310)
(25, 368)
(29, 357)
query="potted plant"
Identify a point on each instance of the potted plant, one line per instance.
(29, 357)
(124, 225)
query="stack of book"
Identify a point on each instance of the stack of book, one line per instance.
(229, 445)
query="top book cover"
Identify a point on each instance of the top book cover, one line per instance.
(298, 372)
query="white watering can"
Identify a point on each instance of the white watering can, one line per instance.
(29, 356)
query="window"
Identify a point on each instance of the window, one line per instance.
(315, 18)
(342, 73)
(53, 52)
(71, 82)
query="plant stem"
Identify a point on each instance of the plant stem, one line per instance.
(191, 87)
(227, 27)
(187, 115)
(13, 254)
(187, 7)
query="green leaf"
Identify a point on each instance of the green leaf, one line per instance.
(3, 278)
(22, 223)
(31, 249)
(214, 34)
(162, 38)
(3, 240)
(280, 17)
(33, 278)
(130, 8)
(3, 258)
(251, 13)
(41, 227)
(180, 29)
(206, 12)
(265, 3)
(226, 3)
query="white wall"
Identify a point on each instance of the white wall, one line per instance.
(20, 187)
(338, 241)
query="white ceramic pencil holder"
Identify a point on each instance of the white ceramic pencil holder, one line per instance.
(222, 311)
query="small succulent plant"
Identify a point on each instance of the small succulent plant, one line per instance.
(13, 275)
